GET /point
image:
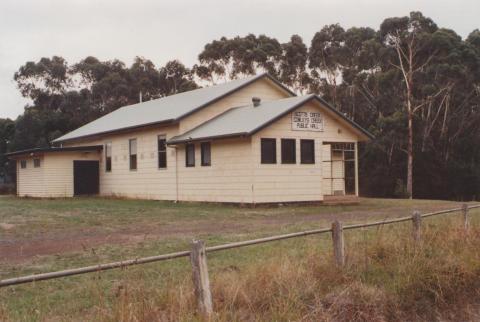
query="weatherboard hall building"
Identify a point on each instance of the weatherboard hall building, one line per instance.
(246, 141)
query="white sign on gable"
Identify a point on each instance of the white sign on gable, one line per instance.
(307, 121)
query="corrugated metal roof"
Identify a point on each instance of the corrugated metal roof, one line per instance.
(166, 109)
(247, 120)
(242, 120)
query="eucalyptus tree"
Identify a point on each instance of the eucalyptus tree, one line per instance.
(7, 129)
(229, 58)
(326, 56)
(292, 69)
(175, 78)
(408, 37)
(64, 97)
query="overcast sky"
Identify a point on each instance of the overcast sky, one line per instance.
(163, 30)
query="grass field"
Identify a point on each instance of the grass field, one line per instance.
(45, 235)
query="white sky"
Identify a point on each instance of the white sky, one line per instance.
(163, 30)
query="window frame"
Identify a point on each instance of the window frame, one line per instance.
(274, 153)
(302, 159)
(283, 152)
(202, 154)
(108, 159)
(131, 155)
(189, 146)
(23, 164)
(162, 137)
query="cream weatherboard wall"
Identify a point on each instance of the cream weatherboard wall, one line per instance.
(148, 181)
(296, 182)
(58, 168)
(230, 159)
(227, 179)
(30, 180)
(54, 177)
(235, 174)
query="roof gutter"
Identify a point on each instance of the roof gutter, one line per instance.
(35, 151)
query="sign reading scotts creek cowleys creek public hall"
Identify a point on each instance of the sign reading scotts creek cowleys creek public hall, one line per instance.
(307, 121)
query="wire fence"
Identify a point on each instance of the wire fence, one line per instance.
(198, 253)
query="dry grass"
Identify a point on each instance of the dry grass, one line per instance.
(387, 278)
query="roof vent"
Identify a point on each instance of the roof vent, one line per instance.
(256, 101)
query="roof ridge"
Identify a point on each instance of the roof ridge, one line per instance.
(167, 109)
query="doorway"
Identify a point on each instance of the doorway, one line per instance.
(339, 168)
(85, 178)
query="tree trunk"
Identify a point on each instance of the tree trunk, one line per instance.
(410, 145)
(410, 156)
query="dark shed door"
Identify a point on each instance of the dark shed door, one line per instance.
(85, 177)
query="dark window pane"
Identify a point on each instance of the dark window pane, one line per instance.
(133, 154)
(36, 163)
(206, 154)
(23, 164)
(350, 177)
(307, 151)
(133, 162)
(190, 155)
(288, 151)
(349, 155)
(162, 151)
(268, 151)
(108, 156)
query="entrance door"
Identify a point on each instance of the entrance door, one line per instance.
(85, 177)
(339, 168)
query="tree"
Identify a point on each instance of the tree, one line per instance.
(49, 76)
(7, 129)
(65, 97)
(293, 64)
(408, 37)
(226, 59)
(175, 78)
(326, 56)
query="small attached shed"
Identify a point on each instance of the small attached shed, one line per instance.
(58, 171)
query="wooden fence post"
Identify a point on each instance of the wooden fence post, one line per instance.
(201, 281)
(338, 243)
(465, 217)
(417, 226)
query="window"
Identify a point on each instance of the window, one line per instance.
(108, 156)
(307, 151)
(23, 164)
(190, 155)
(268, 151)
(206, 153)
(162, 152)
(133, 153)
(288, 151)
(36, 163)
